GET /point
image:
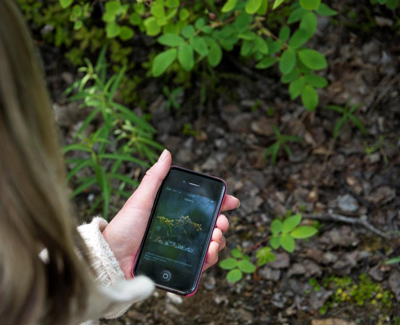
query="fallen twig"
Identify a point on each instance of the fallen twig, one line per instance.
(348, 220)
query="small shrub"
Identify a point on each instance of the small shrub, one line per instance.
(120, 136)
(284, 234)
(280, 143)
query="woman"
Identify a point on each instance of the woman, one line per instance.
(80, 274)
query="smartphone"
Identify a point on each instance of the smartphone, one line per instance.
(179, 231)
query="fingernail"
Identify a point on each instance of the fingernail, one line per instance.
(238, 204)
(163, 155)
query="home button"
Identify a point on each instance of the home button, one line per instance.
(166, 275)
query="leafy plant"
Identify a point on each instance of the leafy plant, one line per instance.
(238, 264)
(393, 260)
(362, 292)
(193, 38)
(284, 234)
(391, 4)
(172, 97)
(120, 136)
(379, 146)
(347, 115)
(281, 142)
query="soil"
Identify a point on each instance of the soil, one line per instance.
(323, 176)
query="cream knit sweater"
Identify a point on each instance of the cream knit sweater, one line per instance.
(113, 295)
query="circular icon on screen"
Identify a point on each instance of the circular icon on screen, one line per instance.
(166, 275)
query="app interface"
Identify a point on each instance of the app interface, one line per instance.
(177, 236)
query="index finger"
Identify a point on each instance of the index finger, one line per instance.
(230, 203)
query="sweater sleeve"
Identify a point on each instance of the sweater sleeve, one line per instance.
(104, 263)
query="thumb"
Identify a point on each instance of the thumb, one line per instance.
(146, 193)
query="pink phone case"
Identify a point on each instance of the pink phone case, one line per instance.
(198, 282)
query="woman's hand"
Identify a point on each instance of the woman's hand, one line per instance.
(125, 232)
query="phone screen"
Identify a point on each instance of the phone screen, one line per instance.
(175, 243)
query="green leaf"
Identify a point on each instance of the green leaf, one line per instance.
(263, 251)
(77, 168)
(126, 33)
(263, 8)
(393, 260)
(312, 59)
(248, 35)
(242, 22)
(162, 62)
(236, 253)
(290, 223)
(172, 3)
(184, 14)
(277, 3)
(65, 3)
(274, 46)
(303, 232)
(284, 33)
(135, 19)
(215, 54)
(265, 256)
(152, 27)
(266, 62)
(199, 23)
(234, 275)
(276, 226)
(294, 74)
(252, 6)
(113, 30)
(106, 189)
(296, 15)
(334, 108)
(157, 9)
(89, 182)
(228, 263)
(87, 120)
(77, 147)
(287, 61)
(188, 31)
(124, 179)
(298, 38)
(199, 45)
(261, 45)
(309, 98)
(392, 4)
(324, 10)
(310, 4)
(186, 56)
(123, 158)
(169, 39)
(229, 6)
(287, 243)
(316, 81)
(246, 266)
(113, 8)
(78, 24)
(275, 242)
(358, 123)
(338, 126)
(309, 23)
(296, 87)
(247, 48)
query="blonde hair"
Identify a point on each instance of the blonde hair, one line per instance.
(34, 212)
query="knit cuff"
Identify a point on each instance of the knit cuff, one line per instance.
(102, 258)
